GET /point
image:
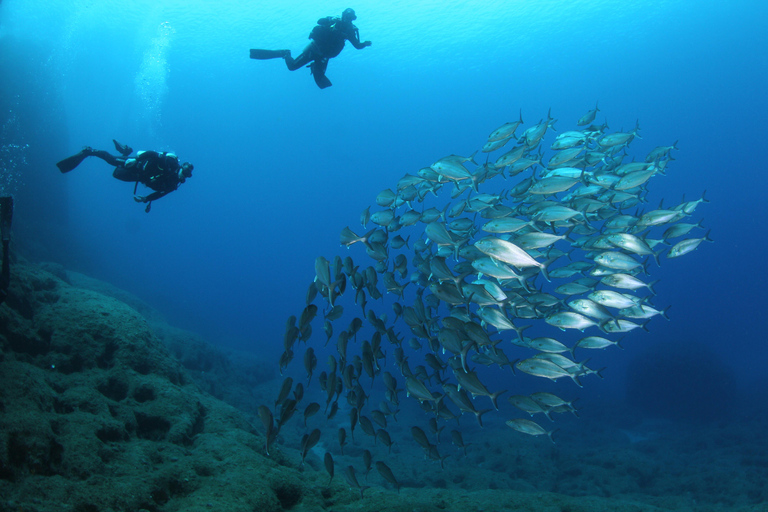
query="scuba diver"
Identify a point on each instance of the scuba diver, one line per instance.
(159, 171)
(6, 214)
(328, 38)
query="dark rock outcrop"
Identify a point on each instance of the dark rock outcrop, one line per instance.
(96, 413)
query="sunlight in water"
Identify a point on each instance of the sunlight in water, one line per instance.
(151, 82)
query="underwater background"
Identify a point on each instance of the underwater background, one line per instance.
(282, 166)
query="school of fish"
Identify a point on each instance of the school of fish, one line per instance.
(520, 240)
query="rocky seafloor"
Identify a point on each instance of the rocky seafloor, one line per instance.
(105, 407)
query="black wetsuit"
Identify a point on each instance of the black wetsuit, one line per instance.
(328, 39)
(158, 171)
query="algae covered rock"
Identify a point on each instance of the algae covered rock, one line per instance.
(96, 413)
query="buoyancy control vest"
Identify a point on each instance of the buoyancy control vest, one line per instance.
(328, 36)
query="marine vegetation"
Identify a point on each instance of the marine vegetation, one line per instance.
(556, 237)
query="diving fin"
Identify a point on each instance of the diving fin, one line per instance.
(269, 54)
(318, 73)
(122, 148)
(322, 81)
(73, 161)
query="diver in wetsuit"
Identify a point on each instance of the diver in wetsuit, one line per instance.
(328, 38)
(159, 171)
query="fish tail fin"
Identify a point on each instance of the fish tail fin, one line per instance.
(567, 236)
(544, 272)
(652, 284)
(348, 237)
(519, 331)
(706, 236)
(479, 416)
(464, 353)
(445, 210)
(495, 396)
(664, 312)
(551, 120)
(551, 433)
(575, 379)
(574, 410)
(644, 266)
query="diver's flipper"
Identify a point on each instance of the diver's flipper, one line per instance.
(73, 161)
(122, 148)
(269, 54)
(318, 72)
(322, 81)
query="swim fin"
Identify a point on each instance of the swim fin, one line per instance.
(122, 148)
(269, 54)
(73, 161)
(318, 73)
(322, 81)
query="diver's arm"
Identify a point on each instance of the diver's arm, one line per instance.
(354, 37)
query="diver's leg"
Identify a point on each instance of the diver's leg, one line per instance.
(123, 173)
(308, 55)
(318, 73)
(269, 54)
(110, 159)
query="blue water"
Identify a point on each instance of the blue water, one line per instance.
(282, 166)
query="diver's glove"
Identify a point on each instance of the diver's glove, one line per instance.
(366, 43)
(140, 199)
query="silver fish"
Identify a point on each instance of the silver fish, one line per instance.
(685, 246)
(627, 282)
(569, 320)
(508, 252)
(589, 117)
(544, 368)
(531, 428)
(611, 299)
(506, 130)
